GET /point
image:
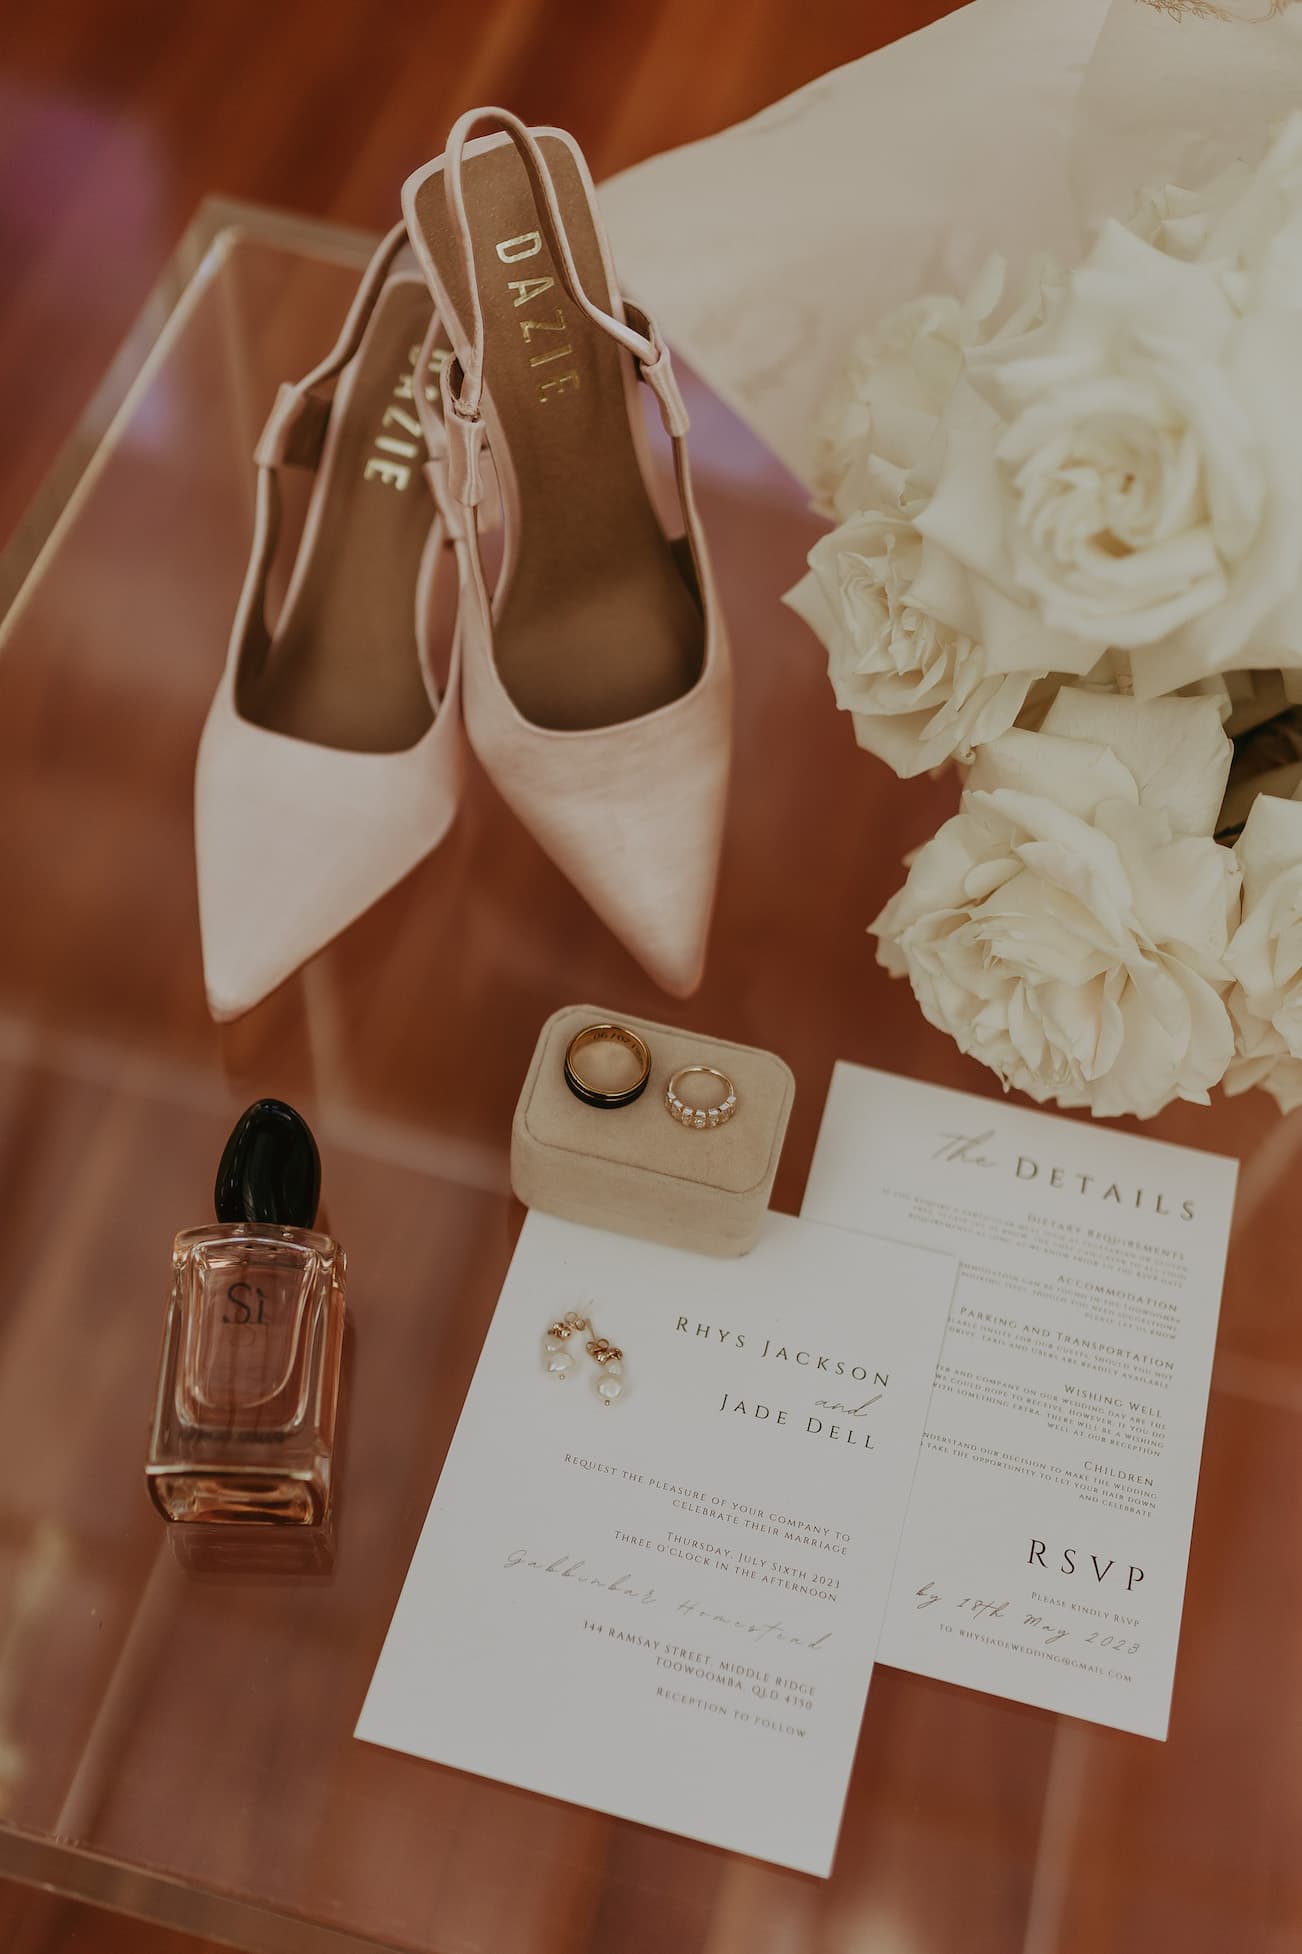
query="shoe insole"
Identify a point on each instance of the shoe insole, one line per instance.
(596, 625)
(343, 669)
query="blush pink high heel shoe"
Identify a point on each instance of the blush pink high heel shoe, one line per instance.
(595, 679)
(329, 766)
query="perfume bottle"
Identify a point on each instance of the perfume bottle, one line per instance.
(244, 1420)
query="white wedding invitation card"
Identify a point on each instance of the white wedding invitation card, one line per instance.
(666, 1607)
(1045, 1548)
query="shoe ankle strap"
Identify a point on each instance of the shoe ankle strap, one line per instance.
(294, 436)
(549, 210)
(295, 430)
(463, 386)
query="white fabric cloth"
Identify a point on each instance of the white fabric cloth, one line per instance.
(1005, 127)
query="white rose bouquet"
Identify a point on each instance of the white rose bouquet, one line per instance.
(1068, 558)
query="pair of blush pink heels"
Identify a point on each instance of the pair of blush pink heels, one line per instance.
(488, 347)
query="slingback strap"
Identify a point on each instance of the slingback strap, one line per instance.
(659, 375)
(549, 210)
(465, 440)
(295, 431)
(448, 500)
(296, 427)
(364, 302)
(463, 388)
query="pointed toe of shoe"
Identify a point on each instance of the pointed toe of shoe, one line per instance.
(678, 967)
(661, 905)
(634, 818)
(293, 842)
(244, 961)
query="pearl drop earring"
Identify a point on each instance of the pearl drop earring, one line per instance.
(558, 1362)
(610, 1385)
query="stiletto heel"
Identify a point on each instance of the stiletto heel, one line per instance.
(596, 676)
(328, 765)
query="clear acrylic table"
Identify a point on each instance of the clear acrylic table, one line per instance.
(178, 1744)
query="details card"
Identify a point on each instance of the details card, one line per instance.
(1046, 1545)
(666, 1607)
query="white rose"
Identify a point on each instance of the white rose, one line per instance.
(1181, 222)
(876, 433)
(1142, 485)
(917, 688)
(1261, 1058)
(875, 428)
(1068, 927)
(1265, 954)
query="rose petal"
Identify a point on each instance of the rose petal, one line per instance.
(1076, 775)
(1174, 749)
(1270, 845)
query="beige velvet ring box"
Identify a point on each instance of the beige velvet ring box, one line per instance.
(634, 1169)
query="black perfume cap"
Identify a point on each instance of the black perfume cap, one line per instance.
(270, 1170)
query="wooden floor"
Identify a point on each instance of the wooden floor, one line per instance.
(116, 119)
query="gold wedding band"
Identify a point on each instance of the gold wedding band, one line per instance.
(716, 1112)
(607, 1034)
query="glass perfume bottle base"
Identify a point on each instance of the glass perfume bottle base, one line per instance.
(219, 1498)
